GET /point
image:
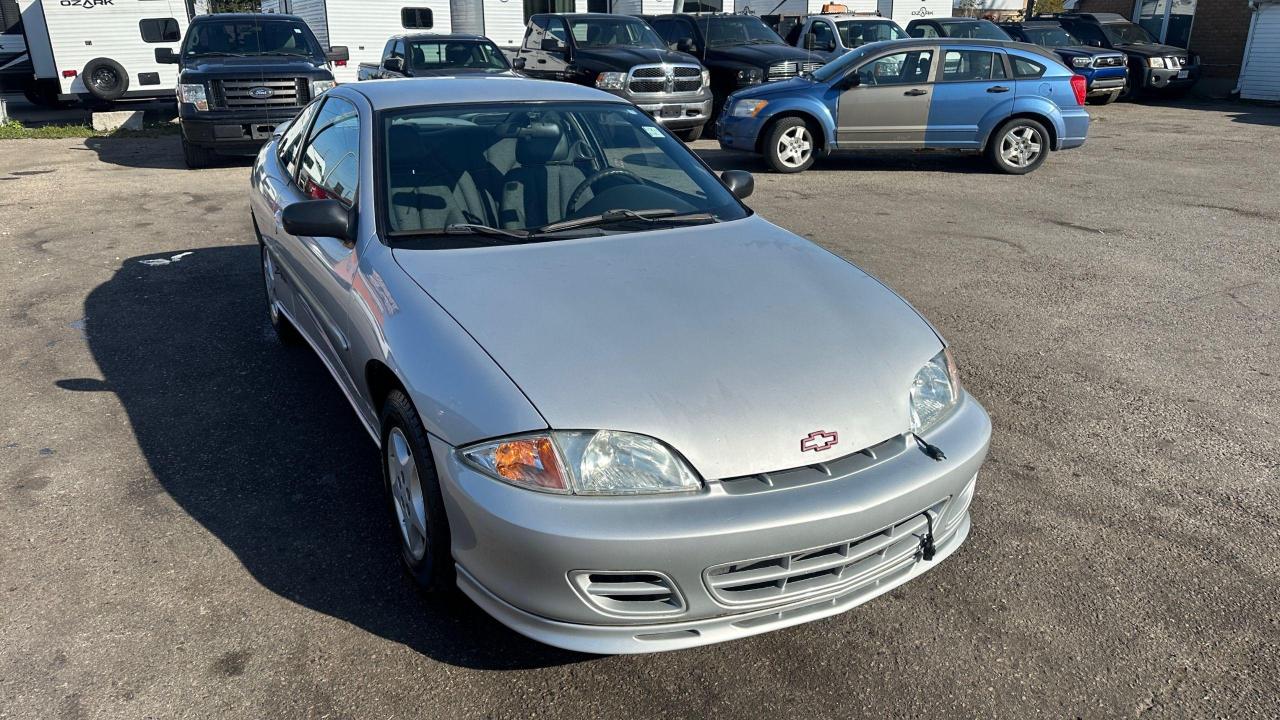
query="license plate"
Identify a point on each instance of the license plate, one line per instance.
(670, 112)
(1183, 74)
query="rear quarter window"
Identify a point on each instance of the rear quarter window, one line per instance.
(1025, 69)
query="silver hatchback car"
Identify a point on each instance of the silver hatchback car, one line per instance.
(619, 410)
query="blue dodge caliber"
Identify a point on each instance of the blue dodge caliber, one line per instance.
(1012, 101)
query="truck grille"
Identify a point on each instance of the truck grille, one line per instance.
(791, 68)
(241, 94)
(816, 570)
(652, 79)
(1108, 61)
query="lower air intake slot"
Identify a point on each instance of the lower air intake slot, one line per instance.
(628, 593)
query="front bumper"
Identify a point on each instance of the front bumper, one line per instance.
(520, 554)
(739, 133)
(1171, 79)
(1100, 84)
(677, 111)
(232, 131)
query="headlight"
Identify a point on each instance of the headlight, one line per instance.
(750, 76)
(320, 87)
(934, 391)
(611, 81)
(193, 95)
(747, 108)
(1082, 61)
(1155, 62)
(706, 78)
(584, 462)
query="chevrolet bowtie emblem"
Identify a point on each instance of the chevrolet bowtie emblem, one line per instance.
(819, 440)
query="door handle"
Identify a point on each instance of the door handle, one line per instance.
(997, 89)
(916, 93)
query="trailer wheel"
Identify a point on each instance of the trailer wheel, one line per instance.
(105, 79)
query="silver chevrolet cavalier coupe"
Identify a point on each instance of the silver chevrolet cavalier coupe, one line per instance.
(618, 409)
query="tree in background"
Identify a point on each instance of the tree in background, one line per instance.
(223, 6)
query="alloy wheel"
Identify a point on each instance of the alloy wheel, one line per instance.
(406, 495)
(269, 279)
(1020, 146)
(795, 146)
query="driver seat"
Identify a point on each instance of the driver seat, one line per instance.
(536, 191)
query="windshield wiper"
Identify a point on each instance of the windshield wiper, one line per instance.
(623, 215)
(508, 237)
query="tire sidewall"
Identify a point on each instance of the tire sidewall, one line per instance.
(110, 94)
(771, 146)
(434, 572)
(993, 148)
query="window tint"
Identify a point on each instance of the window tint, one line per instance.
(908, 68)
(434, 55)
(857, 33)
(961, 65)
(822, 35)
(160, 30)
(416, 17)
(330, 165)
(397, 50)
(1088, 34)
(673, 30)
(924, 31)
(10, 18)
(292, 139)
(1024, 68)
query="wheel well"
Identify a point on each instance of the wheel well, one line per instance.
(815, 127)
(1048, 125)
(381, 381)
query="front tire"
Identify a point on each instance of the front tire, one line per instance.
(196, 157)
(284, 329)
(414, 499)
(790, 146)
(1018, 146)
(690, 134)
(1106, 99)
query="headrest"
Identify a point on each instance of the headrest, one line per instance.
(540, 143)
(406, 150)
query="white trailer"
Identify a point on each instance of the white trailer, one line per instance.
(504, 21)
(101, 50)
(15, 61)
(904, 11)
(364, 26)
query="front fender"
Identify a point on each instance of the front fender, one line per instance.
(1041, 107)
(783, 105)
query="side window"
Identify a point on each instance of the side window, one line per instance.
(907, 68)
(416, 18)
(160, 30)
(1026, 69)
(330, 163)
(1088, 34)
(397, 50)
(962, 65)
(537, 31)
(292, 139)
(557, 30)
(924, 31)
(822, 35)
(386, 51)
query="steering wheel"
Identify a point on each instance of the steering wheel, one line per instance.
(594, 178)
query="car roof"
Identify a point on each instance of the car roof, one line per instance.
(213, 17)
(850, 16)
(587, 15)
(1032, 24)
(946, 42)
(443, 37)
(411, 92)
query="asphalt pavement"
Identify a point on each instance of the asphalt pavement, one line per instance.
(192, 525)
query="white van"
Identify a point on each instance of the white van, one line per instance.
(363, 26)
(99, 51)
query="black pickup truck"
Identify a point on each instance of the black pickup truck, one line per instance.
(240, 76)
(425, 55)
(1154, 68)
(621, 55)
(738, 50)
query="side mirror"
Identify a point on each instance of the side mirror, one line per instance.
(1091, 43)
(852, 80)
(739, 182)
(518, 63)
(319, 218)
(394, 64)
(338, 53)
(166, 56)
(551, 45)
(685, 45)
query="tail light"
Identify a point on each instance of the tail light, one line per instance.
(69, 73)
(1078, 87)
(340, 63)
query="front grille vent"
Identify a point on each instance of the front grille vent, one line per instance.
(652, 79)
(628, 593)
(791, 68)
(1109, 61)
(817, 570)
(249, 93)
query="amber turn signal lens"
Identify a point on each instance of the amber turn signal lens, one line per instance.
(531, 461)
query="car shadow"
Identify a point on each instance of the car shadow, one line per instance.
(163, 152)
(885, 161)
(255, 441)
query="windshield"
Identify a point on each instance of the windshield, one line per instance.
(1127, 34)
(610, 32)
(856, 33)
(250, 37)
(435, 55)
(1053, 37)
(973, 29)
(836, 68)
(724, 31)
(502, 172)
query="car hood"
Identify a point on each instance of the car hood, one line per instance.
(1085, 51)
(761, 56)
(729, 342)
(1152, 50)
(264, 64)
(778, 87)
(625, 58)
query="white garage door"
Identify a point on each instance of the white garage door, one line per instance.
(1260, 77)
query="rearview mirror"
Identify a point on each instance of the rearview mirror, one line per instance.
(394, 64)
(319, 218)
(685, 45)
(739, 182)
(166, 56)
(551, 45)
(338, 53)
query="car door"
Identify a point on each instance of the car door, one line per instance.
(972, 83)
(327, 169)
(888, 106)
(541, 61)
